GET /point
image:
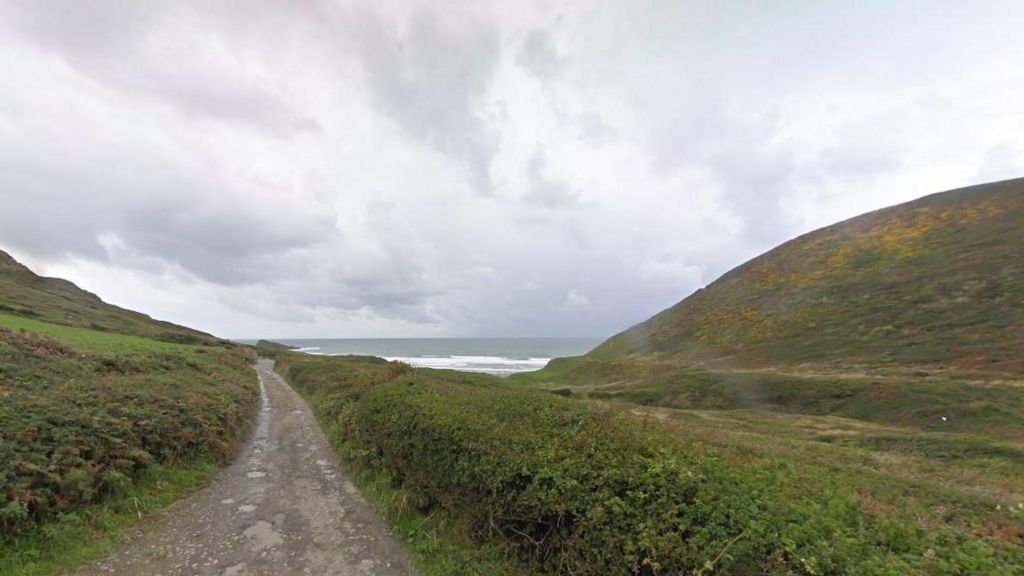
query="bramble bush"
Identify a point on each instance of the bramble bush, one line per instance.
(76, 427)
(573, 488)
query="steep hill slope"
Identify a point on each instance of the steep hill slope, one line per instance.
(54, 300)
(935, 283)
(105, 415)
(881, 356)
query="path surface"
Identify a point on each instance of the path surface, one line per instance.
(283, 507)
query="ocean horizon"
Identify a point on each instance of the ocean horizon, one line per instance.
(499, 356)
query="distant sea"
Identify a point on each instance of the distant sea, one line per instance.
(501, 356)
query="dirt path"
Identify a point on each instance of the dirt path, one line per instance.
(283, 507)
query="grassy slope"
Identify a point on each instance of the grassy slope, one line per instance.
(935, 283)
(910, 316)
(573, 487)
(58, 301)
(100, 426)
(882, 356)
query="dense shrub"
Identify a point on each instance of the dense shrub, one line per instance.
(76, 427)
(558, 480)
(573, 488)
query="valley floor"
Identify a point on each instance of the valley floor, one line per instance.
(283, 507)
(972, 482)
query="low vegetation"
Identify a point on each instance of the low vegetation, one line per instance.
(92, 531)
(562, 486)
(105, 416)
(85, 414)
(877, 359)
(438, 546)
(925, 401)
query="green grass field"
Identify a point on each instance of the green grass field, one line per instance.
(934, 403)
(89, 341)
(929, 449)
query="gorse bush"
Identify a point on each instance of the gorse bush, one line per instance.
(570, 487)
(555, 479)
(76, 427)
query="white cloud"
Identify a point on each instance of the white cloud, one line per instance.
(335, 169)
(576, 299)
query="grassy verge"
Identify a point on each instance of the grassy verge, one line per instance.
(561, 486)
(90, 532)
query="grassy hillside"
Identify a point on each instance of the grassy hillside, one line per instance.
(104, 415)
(57, 301)
(910, 316)
(936, 284)
(881, 358)
(849, 403)
(554, 485)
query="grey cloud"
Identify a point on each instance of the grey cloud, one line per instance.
(225, 243)
(65, 184)
(134, 194)
(755, 180)
(222, 95)
(429, 73)
(743, 152)
(292, 162)
(1000, 162)
(593, 128)
(577, 300)
(546, 190)
(93, 30)
(222, 244)
(538, 56)
(855, 159)
(117, 44)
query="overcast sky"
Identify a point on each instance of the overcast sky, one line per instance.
(362, 169)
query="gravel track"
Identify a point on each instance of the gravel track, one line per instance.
(283, 507)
